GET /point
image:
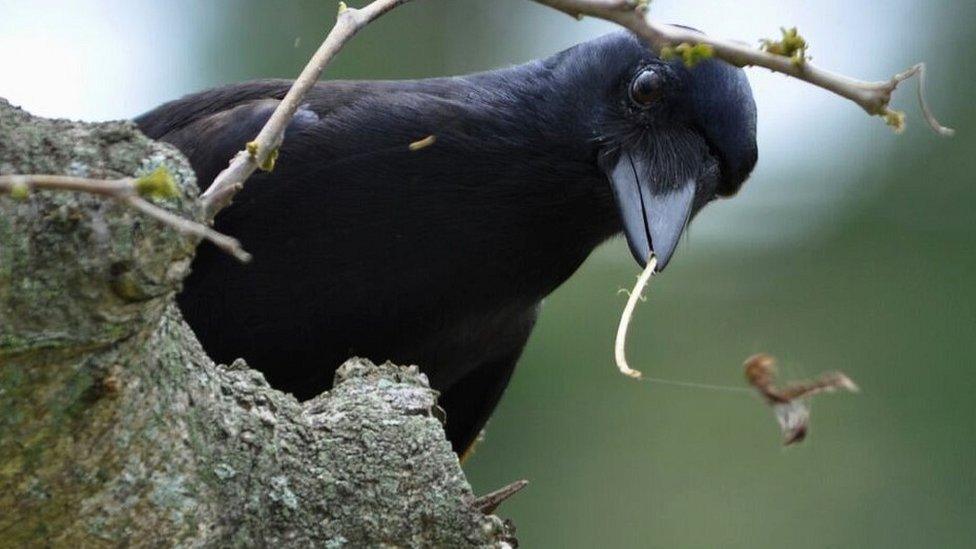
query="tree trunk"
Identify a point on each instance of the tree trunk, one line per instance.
(116, 428)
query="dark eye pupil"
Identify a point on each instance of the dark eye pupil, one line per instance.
(646, 87)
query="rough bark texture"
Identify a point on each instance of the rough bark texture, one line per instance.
(115, 427)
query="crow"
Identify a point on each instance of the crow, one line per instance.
(440, 255)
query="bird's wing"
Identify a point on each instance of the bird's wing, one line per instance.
(211, 126)
(363, 119)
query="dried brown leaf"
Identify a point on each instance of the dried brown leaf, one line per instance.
(790, 403)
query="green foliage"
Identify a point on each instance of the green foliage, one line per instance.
(157, 184)
(19, 191)
(690, 54)
(253, 149)
(895, 119)
(791, 45)
(269, 163)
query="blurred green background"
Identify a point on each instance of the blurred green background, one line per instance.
(851, 248)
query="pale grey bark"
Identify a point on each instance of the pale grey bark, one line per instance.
(115, 427)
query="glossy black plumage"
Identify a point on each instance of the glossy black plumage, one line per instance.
(441, 256)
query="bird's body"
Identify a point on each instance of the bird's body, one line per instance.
(438, 256)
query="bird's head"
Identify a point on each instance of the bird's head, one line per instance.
(669, 138)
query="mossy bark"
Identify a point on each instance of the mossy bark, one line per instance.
(115, 427)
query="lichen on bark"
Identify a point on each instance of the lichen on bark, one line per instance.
(117, 429)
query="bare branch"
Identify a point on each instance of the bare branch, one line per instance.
(873, 97)
(261, 152)
(226, 243)
(489, 502)
(127, 192)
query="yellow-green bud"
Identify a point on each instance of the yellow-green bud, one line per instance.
(19, 190)
(791, 45)
(895, 119)
(252, 148)
(157, 184)
(690, 54)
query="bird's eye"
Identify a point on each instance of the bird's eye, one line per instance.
(646, 88)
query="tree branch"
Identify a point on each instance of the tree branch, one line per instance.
(125, 191)
(261, 152)
(117, 430)
(873, 97)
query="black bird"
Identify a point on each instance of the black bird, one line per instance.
(441, 256)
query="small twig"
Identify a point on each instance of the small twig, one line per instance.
(125, 191)
(20, 185)
(873, 97)
(262, 151)
(620, 343)
(919, 70)
(490, 501)
(226, 243)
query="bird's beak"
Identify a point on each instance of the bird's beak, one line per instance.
(653, 219)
